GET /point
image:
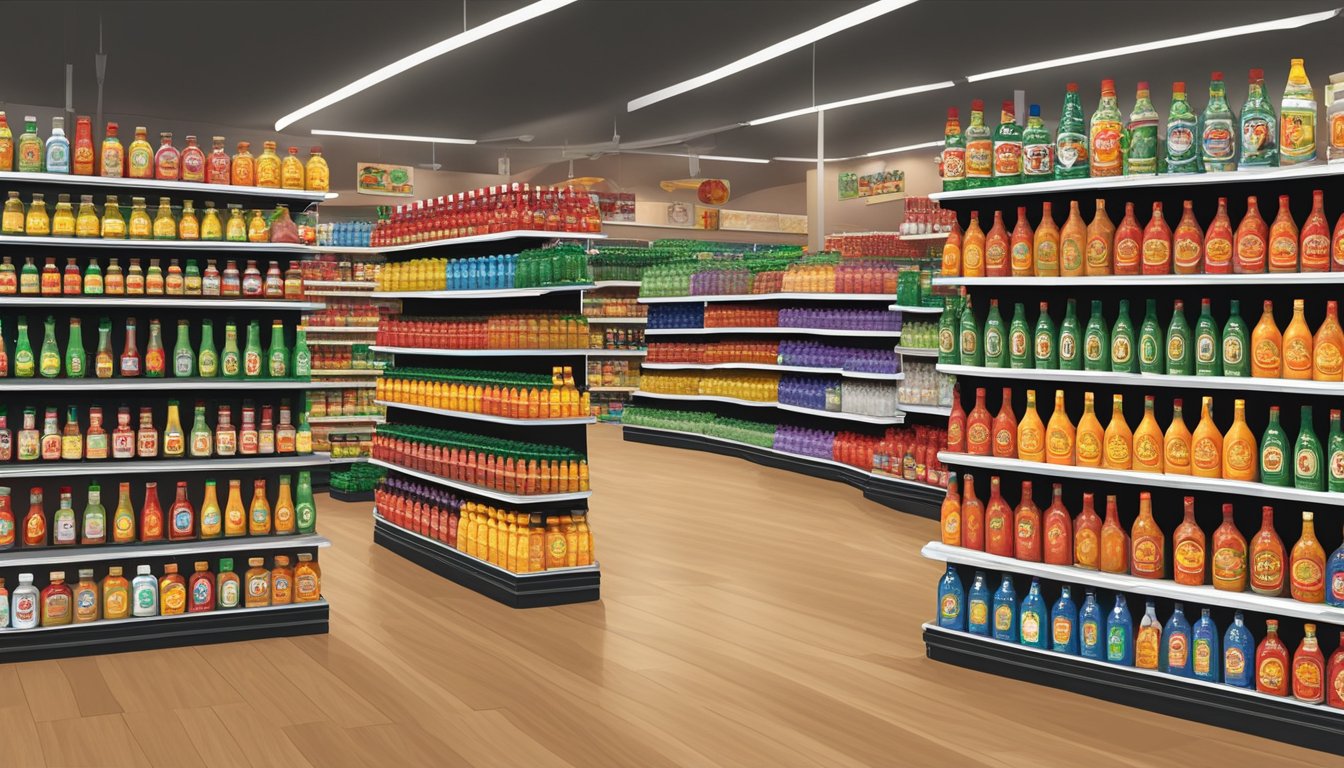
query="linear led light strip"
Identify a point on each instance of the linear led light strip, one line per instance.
(392, 137)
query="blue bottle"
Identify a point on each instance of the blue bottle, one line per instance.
(1334, 578)
(977, 606)
(1175, 659)
(1204, 648)
(1091, 629)
(1239, 654)
(57, 157)
(951, 601)
(1034, 621)
(1120, 634)
(1005, 611)
(1064, 624)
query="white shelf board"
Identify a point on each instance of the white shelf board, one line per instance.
(617, 352)
(786, 296)
(170, 617)
(486, 563)
(1148, 479)
(340, 329)
(155, 186)
(106, 302)
(1202, 595)
(600, 284)
(1294, 386)
(350, 384)
(1275, 278)
(616, 320)
(212, 246)
(347, 371)
(366, 285)
(13, 384)
(926, 236)
(492, 237)
(770, 367)
(916, 352)
(774, 329)
(151, 466)
(911, 310)
(30, 558)
(932, 410)
(342, 293)
(1138, 182)
(320, 420)
(488, 417)
(491, 293)
(479, 352)
(536, 498)
(781, 406)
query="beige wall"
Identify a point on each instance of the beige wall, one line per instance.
(921, 179)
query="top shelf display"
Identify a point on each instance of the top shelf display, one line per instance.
(156, 185)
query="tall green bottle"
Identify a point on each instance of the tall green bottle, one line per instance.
(1142, 156)
(1308, 472)
(49, 358)
(1183, 147)
(1038, 161)
(303, 358)
(305, 510)
(1180, 360)
(1259, 126)
(1007, 148)
(1152, 345)
(277, 360)
(1045, 352)
(76, 361)
(979, 149)
(947, 334)
(1123, 358)
(1334, 454)
(184, 359)
(1096, 341)
(253, 355)
(1235, 339)
(1070, 340)
(207, 359)
(1274, 466)
(954, 153)
(1208, 343)
(1019, 339)
(230, 359)
(25, 365)
(1071, 143)
(971, 351)
(995, 338)
(1218, 130)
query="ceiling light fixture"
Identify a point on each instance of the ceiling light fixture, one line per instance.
(720, 158)
(1291, 22)
(813, 160)
(856, 100)
(839, 24)
(392, 137)
(894, 150)
(467, 37)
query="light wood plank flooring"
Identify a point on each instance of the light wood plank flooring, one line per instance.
(750, 617)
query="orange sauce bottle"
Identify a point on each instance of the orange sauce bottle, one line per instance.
(1128, 244)
(1306, 566)
(1249, 245)
(256, 584)
(950, 513)
(1118, 439)
(1059, 434)
(1206, 446)
(1148, 544)
(1058, 530)
(973, 249)
(1045, 244)
(1114, 542)
(1157, 243)
(172, 591)
(1031, 433)
(952, 252)
(1148, 441)
(978, 427)
(1091, 437)
(1283, 237)
(1187, 549)
(1027, 527)
(1087, 536)
(1005, 428)
(1187, 246)
(307, 579)
(1267, 557)
(1267, 346)
(282, 581)
(1229, 555)
(1241, 456)
(998, 522)
(1218, 242)
(1314, 244)
(235, 517)
(972, 517)
(1327, 347)
(116, 594)
(1297, 345)
(1020, 257)
(1100, 236)
(1073, 244)
(996, 248)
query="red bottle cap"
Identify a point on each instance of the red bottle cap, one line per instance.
(1257, 74)
(1107, 85)
(1143, 85)
(1071, 87)
(952, 113)
(1008, 107)
(1217, 75)
(1178, 87)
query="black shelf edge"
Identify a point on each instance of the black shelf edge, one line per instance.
(189, 629)
(924, 501)
(560, 588)
(1280, 720)
(355, 496)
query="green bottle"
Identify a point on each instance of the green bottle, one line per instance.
(971, 352)
(1122, 342)
(207, 359)
(93, 279)
(1038, 162)
(1182, 134)
(49, 358)
(277, 366)
(305, 511)
(1096, 341)
(1070, 341)
(947, 335)
(24, 365)
(954, 153)
(1308, 474)
(994, 338)
(1235, 339)
(200, 441)
(1044, 350)
(1334, 450)
(303, 359)
(1071, 144)
(1142, 156)
(1179, 360)
(1152, 346)
(1259, 127)
(253, 353)
(29, 153)
(76, 361)
(1274, 467)
(94, 521)
(1208, 343)
(184, 359)
(1007, 148)
(1218, 130)
(979, 149)
(1019, 339)
(230, 360)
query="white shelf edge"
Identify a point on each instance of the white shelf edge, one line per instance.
(595, 567)
(916, 352)
(106, 301)
(771, 367)
(340, 329)
(616, 320)
(781, 406)
(172, 245)
(617, 352)
(143, 466)
(912, 310)
(487, 417)
(1267, 278)
(1294, 386)
(492, 237)
(491, 293)
(932, 410)
(13, 384)
(319, 420)
(783, 296)
(27, 558)
(774, 329)
(478, 352)
(171, 617)
(540, 498)
(203, 188)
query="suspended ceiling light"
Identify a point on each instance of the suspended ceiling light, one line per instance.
(856, 100)
(392, 137)
(801, 40)
(1291, 22)
(467, 37)
(721, 158)
(814, 160)
(908, 148)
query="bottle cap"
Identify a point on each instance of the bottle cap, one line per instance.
(1178, 87)
(142, 570)
(1257, 74)
(1008, 106)
(952, 113)
(86, 573)
(256, 562)
(1217, 75)
(57, 575)
(1071, 87)
(225, 564)
(315, 150)
(1143, 85)
(977, 105)
(1034, 110)
(1107, 85)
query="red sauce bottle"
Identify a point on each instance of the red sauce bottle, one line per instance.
(1249, 245)
(972, 517)
(998, 523)
(1314, 245)
(1334, 676)
(193, 161)
(1058, 537)
(151, 515)
(1187, 245)
(181, 516)
(956, 424)
(978, 430)
(1337, 246)
(1283, 238)
(1157, 244)
(130, 354)
(35, 522)
(201, 589)
(167, 160)
(1027, 527)
(217, 169)
(1128, 246)
(1267, 557)
(1271, 662)
(1218, 242)
(82, 157)
(1187, 549)
(1229, 555)
(1005, 428)
(996, 249)
(1309, 668)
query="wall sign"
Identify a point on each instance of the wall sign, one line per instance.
(384, 179)
(853, 185)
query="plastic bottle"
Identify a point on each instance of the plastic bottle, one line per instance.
(26, 604)
(1092, 635)
(1259, 126)
(144, 593)
(1297, 118)
(57, 156)
(1239, 654)
(1141, 159)
(1071, 139)
(1004, 611)
(977, 606)
(951, 600)
(1034, 622)
(1037, 148)
(1218, 129)
(172, 591)
(1120, 634)
(1148, 639)
(1007, 148)
(1183, 146)
(979, 149)
(1104, 132)
(1064, 624)
(228, 587)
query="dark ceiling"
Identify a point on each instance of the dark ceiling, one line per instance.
(567, 76)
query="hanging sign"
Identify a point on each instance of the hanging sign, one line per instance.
(384, 179)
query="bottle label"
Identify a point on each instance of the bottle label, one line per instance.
(1070, 150)
(1336, 465)
(1059, 447)
(972, 257)
(1307, 466)
(182, 363)
(1271, 458)
(1297, 132)
(1336, 588)
(1003, 618)
(1092, 347)
(954, 163)
(1068, 347)
(1176, 349)
(258, 587)
(1147, 451)
(979, 159)
(1271, 674)
(946, 341)
(1148, 350)
(1098, 253)
(1203, 657)
(1062, 631)
(1146, 643)
(1315, 253)
(1219, 141)
(1036, 160)
(1044, 345)
(200, 595)
(1188, 558)
(1251, 252)
(1232, 351)
(1307, 679)
(1240, 456)
(144, 598)
(1029, 441)
(1031, 627)
(1308, 576)
(182, 519)
(978, 615)
(1147, 556)
(1267, 570)
(1089, 448)
(1115, 644)
(251, 364)
(1205, 349)
(968, 342)
(1257, 140)
(1156, 252)
(1329, 361)
(1120, 350)
(1206, 455)
(949, 609)
(1234, 661)
(228, 594)
(993, 342)
(231, 364)
(1106, 147)
(1007, 158)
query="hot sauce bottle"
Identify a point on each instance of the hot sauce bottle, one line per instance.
(1283, 240)
(1309, 668)
(82, 156)
(996, 248)
(181, 516)
(259, 513)
(1218, 242)
(956, 424)
(1271, 662)
(1148, 440)
(1307, 565)
(1118, 439)
(243, 167)
(1334, 676)
(172, 591)
(201, 589)
(193, 161)
(151, 515)
(1031, 432)
(218, 165)
(1147, 557)
(1267, 557)
(1187, 549)
(57, 601)
(1314, 243)
(1328, 347)
(972, 517)
(1019, 246)
(1058, 526)
(111, 161)
(1187, 245)
(1128, 243)
(167, 160)
(998, 523)
(949, 514)
(123, 517)
(1027, 527)
(1114, 557)
(35, 522)
(1004, 428)
(1250, 243)
(1090, 436)
(978, 427)
(1100, 237)
(1157, 244)
(1059, 434)
(147, 437)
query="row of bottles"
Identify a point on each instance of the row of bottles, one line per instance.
(1179, 349)
(250, 361)
(1304, 463)
(532, 330)
(1176, 647)
(511, 466)
(290, 514)
(140, 160)
(1101, 247)
(486, 210)
(494, 393)
(1225, 559)
(231, 283)
(113, 223)
(1109, 144)
(87, 601)
(558, 265)
(73, 442)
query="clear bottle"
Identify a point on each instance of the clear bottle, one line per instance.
(1141, 159)
(1183, 146)
(144, 593)
(58, 148)
(1259, 126)
(1297, 118)
(26, 600)
(1218, 130)
(1038, 157)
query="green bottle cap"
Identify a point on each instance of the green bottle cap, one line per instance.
(225, 564)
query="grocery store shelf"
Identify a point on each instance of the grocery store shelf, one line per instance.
(343, 293)
(31, 558)
(1204, 595)
(347, 371)
(773, 329)
(369, 419)
(771, 367)
(600, 284)
(494, 293)
(140, 383)
(1286, 173)
(617, 352)
(479, 352)
(1293, 386)
(336, 342)
(612, 389)
(786, 296)
(366, 285)
(772, 404)
(346, 384)
(518, 590)
(1148, 479)
(210, 191)
(480, 490)
(1276, 278)
(340, 329)
(913, 310)
(104, 303)
(616, 320)
(488, 417)
(150, 466)
(1282, 718)
(916, 352)
(153, 245)
(492, 237)
(926, 236)
(931, 410)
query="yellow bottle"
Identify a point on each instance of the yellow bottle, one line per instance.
(140, 226)
(973, 249)
(165, 227)
(268, 166)
(307, 579)
(1240, 454)
(211, 227)
(1328, 347)
(1176, 443)
(291, 170)
(37, 223)
(1206, 447)
(1119, 440)
(317, 176)
(86, 221)
(235, 516)
(12, 222)
(212, 519)
(188, 227)
(113, 226)
(284, 509)
(235, 230)
(259, 511)
(1147, 454)
(1297, 341)
(1267, 346)
(1031, 433)
(1091, 437)
(63, 220)
(257, 229)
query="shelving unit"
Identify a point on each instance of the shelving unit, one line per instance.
(778, 330)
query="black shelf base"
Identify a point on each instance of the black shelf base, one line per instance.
(1268, 717)
(925, 501)
(190, 629)
(560, 588)
(353, 496)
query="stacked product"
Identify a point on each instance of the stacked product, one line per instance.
(114, 222)
(534, 268)
(510, 466)
(494, 393)
(534, 330)
(249, 283)
(496, 209)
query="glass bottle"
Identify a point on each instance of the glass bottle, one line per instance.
(1104, 131)
(953, 157)
(1267, 559)
(37, 223)
(1176, 443)
(1240, 455)
(167, 160)
(1117, 440)
(174, 439)
(1045, 353)
(1091, 628)
(188, 226)
(1007, 148)
(259, 511)
(13, 219)
(207, 360)
(30, 147)
(998, 522)
(49, 357)
(267, 168)
(995, 341)
(6, 144)
(1090, 436)
(1100, 236)
(305, 510)
(1334, 453)
(1060, 434)
(1005, 611)
(218, 169)
(258, 231)
(1308, 474)
(252, 352)
(1141, 157)
(1120, 634)
(139, 226)
(1218, 130)
(1297, 118)
(291, 170)
(1045, 244)
(235, 517)
(1259, 126)
(230, 359)
(1271, 662)
(1071, 138)
(1328, 347)
(156, 364)
(317, 177)
(235, 230)
(76, 361)
(211, 227)
(82, 157)
(1298, 355)
(979, 149)
(193, 161)
(140, 156)
(202, 439)
(212, 520)
(1128, 246)
(1037, 148)
(151, 515)
(1096, 341)
(1306, 565)
(111, 159)
(95, 442)
(1180, 360)
(164, 226)
(242, 172)
(1122, 359)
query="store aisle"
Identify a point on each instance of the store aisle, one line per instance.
(750, 617)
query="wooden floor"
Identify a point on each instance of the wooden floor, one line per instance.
(750, 617)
